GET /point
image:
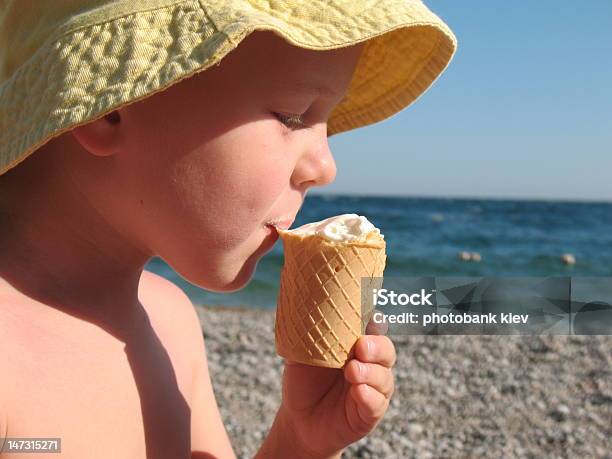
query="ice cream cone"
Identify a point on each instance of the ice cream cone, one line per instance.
(319, 314)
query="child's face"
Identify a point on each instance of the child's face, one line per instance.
(213, 164)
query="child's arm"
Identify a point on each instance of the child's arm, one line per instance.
(208, 435)
(209, 438)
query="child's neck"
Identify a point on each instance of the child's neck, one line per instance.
(62, 254)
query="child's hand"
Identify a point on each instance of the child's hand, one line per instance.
(327, 409)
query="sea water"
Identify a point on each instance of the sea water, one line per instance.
(425, 235)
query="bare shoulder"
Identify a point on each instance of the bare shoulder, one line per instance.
(172, 315)
(154, 286)
(47, 356)
(166, 300)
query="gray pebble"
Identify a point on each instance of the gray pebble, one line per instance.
(560, 413)
(415, 429)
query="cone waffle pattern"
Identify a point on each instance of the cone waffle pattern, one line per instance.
(319, 314)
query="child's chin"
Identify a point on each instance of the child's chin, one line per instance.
(243, 277)
(227, 282)
(244, 273)
(228, 274)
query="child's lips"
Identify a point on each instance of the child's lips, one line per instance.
(281, 224)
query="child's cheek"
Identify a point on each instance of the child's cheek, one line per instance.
(239, 179)
(261, 168)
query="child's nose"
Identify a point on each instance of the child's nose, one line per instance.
(316, 166)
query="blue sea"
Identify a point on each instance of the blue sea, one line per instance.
(424, 236)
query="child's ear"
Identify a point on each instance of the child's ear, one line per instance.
(101, 137)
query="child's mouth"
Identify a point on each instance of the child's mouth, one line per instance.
(282, 224)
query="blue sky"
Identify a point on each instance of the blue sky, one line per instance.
(523, 111)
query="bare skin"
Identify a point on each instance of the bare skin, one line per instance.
(127, 392)
(98, 349)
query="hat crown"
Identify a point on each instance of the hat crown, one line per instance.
(26, 25)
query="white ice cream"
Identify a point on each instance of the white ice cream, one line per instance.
(346, 227)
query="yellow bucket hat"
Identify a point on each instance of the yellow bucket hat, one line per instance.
(64, 63)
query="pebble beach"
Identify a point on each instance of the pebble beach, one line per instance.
(455, 396)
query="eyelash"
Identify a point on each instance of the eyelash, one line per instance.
(291, 121)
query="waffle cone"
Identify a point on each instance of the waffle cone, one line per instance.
(320, 313)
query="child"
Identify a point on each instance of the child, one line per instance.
(138, 153)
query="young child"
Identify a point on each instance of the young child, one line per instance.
(140, 153)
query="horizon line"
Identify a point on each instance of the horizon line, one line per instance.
(464, 197)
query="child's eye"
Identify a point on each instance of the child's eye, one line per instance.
(291, 121)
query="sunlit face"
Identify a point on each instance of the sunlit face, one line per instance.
(217, 157)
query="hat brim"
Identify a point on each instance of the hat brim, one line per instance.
(406, 49)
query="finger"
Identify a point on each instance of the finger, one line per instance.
(375, 328)
(372, 374)
(370, 404)
(375, 349)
